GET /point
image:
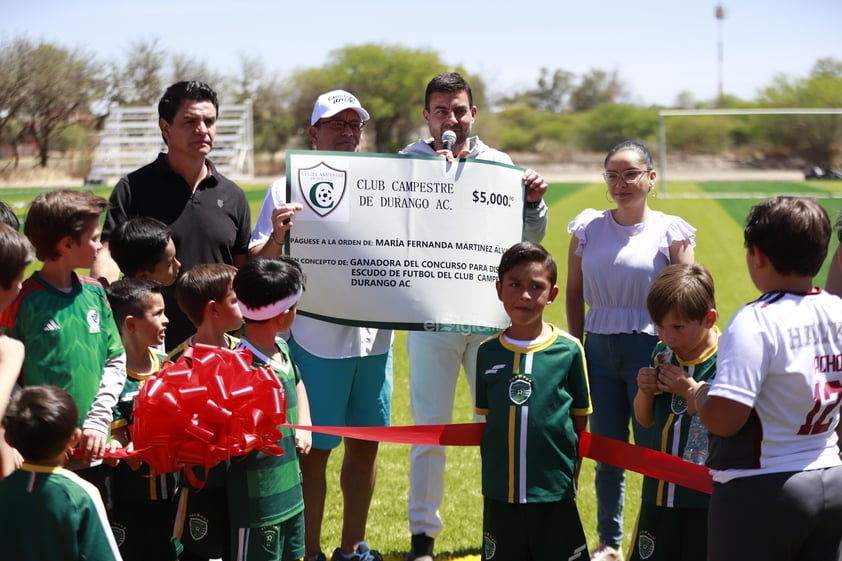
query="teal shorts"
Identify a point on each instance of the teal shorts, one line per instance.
(345, 392)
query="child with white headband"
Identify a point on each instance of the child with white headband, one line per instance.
(265, 500)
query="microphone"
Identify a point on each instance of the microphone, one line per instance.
(448, 139)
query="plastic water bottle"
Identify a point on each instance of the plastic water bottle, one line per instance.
(696, 449)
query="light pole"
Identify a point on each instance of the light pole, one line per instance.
(720, 16)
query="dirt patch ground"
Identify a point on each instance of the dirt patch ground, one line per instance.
(39, 178)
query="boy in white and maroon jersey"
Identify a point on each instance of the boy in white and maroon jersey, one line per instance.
(773, 409)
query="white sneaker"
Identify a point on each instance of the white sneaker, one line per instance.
(606, 553)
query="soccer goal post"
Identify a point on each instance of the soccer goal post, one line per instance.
(662, 130)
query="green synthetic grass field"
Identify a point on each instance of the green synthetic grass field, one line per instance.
(720, 248)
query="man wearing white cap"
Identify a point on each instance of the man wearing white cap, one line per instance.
(347, 370)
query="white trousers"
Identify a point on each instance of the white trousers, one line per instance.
(435, 359)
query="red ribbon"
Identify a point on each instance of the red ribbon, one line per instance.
(194, 446)
(646, 461)
(464, 434)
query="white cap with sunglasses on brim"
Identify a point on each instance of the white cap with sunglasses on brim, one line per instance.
(334, 102)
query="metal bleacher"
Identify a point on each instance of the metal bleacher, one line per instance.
(131, 139)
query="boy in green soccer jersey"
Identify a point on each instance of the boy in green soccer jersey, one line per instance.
(265, 499)
(65, 322)
(141, 517)
(46, 511)
(532, 388)
(143, 248)
(206, 296)
(672, 525)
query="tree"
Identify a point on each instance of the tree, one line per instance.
(12, 134)
(597, 87)
(60, 83)
(389, 81)
(812, 137)
(13, 89)
(711, 135)
(611, 123)
(552, 93)
(274, 120)
(138, 79)
(521, 128)
(826, 68)
(248, 80)
(185, 67)
(684, 100)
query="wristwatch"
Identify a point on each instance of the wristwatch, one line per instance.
(534, 204)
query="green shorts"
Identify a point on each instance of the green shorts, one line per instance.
(532, 531)
(201, 522)
(283, 541)
(143, 529)
(670, 534)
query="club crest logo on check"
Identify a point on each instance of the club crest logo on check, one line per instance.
(322, 187)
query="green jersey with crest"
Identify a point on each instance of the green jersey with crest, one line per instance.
(669, 433)
(264, 489)
(529, 447)
(69, 336)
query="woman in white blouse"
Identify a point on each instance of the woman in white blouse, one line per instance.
(613, 258)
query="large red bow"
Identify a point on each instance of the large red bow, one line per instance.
(204, 408)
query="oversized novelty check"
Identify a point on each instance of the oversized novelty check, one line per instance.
(403, 242)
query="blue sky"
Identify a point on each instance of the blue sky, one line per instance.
(659, 47)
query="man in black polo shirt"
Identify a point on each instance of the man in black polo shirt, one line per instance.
(208, 214)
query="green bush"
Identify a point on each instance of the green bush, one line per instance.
(516, 140)
(611, 123)
(703, 135)
(522, 128)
